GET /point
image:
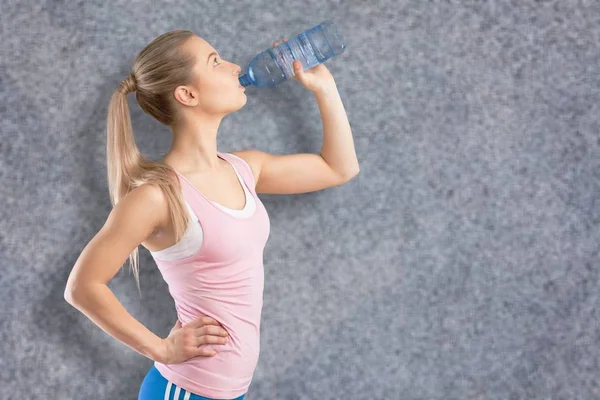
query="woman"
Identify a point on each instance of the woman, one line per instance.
(198, 213)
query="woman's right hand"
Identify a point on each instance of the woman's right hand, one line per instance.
(186, 342)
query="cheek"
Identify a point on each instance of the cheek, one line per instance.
(213, 96)
(222, 100)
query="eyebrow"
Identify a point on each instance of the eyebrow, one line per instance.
(211, 54)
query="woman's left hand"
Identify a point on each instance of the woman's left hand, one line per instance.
(314, 79)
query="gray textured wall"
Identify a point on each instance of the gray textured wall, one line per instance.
(462, 263)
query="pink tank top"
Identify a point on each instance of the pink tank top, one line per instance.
(224, 280)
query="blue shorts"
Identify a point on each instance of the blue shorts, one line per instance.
(157, 387)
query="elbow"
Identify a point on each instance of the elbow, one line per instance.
(70, 293)
(350, 175)
(76, 292)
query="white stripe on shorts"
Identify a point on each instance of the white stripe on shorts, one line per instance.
(186, 394)
(167, 391)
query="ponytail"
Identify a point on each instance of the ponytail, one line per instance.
(158, 69)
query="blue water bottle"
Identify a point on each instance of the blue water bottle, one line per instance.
(312, 47)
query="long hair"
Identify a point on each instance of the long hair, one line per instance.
(157, 70)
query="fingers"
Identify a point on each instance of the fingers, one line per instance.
(208, 331)
(204, 320)
(203, 351)
(207, 339)
(275, 44)
(208, 326)
(211, 339)
(213, 330)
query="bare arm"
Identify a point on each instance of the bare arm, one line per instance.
(101, 306)
(130, 222)
(338, 144)
(306, 172)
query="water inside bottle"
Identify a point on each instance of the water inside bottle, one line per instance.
(300, 48)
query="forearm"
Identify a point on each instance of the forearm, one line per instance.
(101, 306)
(338, 145)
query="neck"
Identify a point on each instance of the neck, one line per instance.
(194, 147)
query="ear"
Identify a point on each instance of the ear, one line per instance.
(185, 96)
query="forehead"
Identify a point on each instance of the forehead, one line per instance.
(200, 48)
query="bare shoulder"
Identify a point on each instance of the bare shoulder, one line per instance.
(254, 158)
(131, 221)
(146, 202)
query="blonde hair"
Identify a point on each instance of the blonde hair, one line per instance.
(157, 70)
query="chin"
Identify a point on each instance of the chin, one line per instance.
(239, 106)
